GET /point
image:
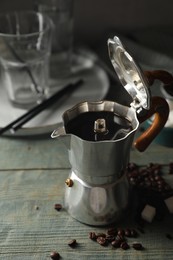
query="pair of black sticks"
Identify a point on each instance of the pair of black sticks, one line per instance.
(19, 122)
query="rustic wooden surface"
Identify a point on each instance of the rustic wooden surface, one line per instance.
(32, 175)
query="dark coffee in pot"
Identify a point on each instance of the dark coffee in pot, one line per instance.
(113, 128)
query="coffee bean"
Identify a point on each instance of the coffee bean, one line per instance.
(92, 235)
(157, 178)
(131, 166)
(58, 207)
(137, 246)
(116, 243)
(120, 232)
(112, 231)
(149, 177)
(127, 232)
(124, 245)
(72, 243)
(120, 238)
(132, 181)
(55, 255)
(110, 238)
(102, 241)
(101, 235)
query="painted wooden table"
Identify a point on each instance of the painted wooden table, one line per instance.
(32, 176)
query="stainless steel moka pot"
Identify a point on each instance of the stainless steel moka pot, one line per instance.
(99, 135)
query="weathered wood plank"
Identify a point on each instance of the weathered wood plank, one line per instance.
(31, 228)
(27, 153)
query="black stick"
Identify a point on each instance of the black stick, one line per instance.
(16, 124)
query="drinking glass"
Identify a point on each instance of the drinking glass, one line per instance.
(61, 13)
(25, 45)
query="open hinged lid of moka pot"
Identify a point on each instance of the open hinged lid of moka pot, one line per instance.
(130, 75)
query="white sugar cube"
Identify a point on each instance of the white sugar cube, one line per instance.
(169, 204)
(148, 213)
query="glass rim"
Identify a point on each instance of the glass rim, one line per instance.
(24, 35)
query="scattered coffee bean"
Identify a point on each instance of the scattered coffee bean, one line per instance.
(58, 207)
(101, 235)
(102, 241)
(110, 238)
(72, 243)
(127, 232)
(132, 166)
(137, 246)
(112, 231)
(116, 243)
(120, 238)
(120, 232)
(92, 235)
(124, 245)
(148, 177)
(55, 255)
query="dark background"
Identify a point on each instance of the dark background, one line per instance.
(95, 18)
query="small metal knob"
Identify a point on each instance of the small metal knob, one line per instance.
(69, 182)
(100, 126)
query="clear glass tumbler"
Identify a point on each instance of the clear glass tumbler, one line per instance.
(61, 13)
(25, 46)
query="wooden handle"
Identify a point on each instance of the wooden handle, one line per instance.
(159, 108)
(161, 75)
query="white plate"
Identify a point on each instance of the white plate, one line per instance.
(95, 87)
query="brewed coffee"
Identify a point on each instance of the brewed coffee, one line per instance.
(83, 126)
